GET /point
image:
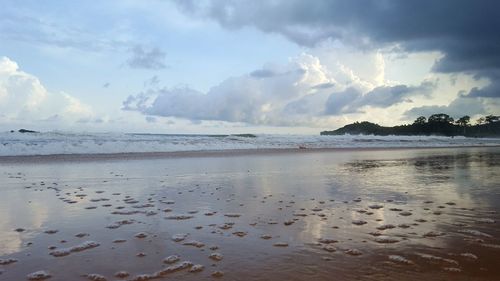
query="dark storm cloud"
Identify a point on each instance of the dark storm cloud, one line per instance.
(386, 96)
(351, 100)
(340, 102)
(457, 108)
(465, 31)
(491, 90)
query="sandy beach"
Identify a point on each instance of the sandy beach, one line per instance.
(371, 214)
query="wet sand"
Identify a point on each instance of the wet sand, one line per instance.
(390, 214)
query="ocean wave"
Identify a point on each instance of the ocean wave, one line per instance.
(50, 143)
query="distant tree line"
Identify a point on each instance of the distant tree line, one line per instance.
(436, 124)
(463, 121)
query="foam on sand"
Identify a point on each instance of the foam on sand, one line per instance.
(197, 268)
(78, 248)
(96, 277)
(469, 256)
(486, 220)
(141, 235)
(232, 215)
(216, 256)
(327, 240)
(217, 274)
(118, 224)
(173, 268)
(359, 222)
(194, 243)
(385, 226)
(7, 261)
(353, 252)
(171, 259)
(39, 275)
(122, 274)
(386, 239)
(433, 234)
(329, 248)
(437, 259)
(475, 233)
(452, 269)
(179, 237)
(179, 217)
(400, 259)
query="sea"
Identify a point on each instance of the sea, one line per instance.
(54, 143)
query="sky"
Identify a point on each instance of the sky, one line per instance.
(262, 66)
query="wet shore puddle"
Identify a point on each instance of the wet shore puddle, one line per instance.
(380, 215)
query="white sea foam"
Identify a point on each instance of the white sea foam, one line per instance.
(171, 259)
(194, 243)
(96, 277)
(400, 259)
(39, 275)
(197, 268)
(13, 144)
(216, 256)
(78, 248)
(474, 232)
(7, 261)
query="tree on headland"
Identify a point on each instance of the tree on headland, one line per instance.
(420, 120)
(463, 121)
(440, 118)
(491, 118)
(436, 124)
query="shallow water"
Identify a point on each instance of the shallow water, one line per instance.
(354, 215)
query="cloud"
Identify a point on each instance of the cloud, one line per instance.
(249, 98)
(492, 90)
(352, 100)
(152, 82)
(465, 32)
(23, 27)
(385, 96)
(323, 86)
(262, 73)
(302, 92)
(340, 102)
(457, 108)
(23, 98)
(152, 58)
(151, 119)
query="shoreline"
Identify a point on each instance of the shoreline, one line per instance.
(89, 157)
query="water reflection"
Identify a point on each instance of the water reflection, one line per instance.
(19, 224)
(423, 205)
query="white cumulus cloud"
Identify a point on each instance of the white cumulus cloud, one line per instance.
(23, 99)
